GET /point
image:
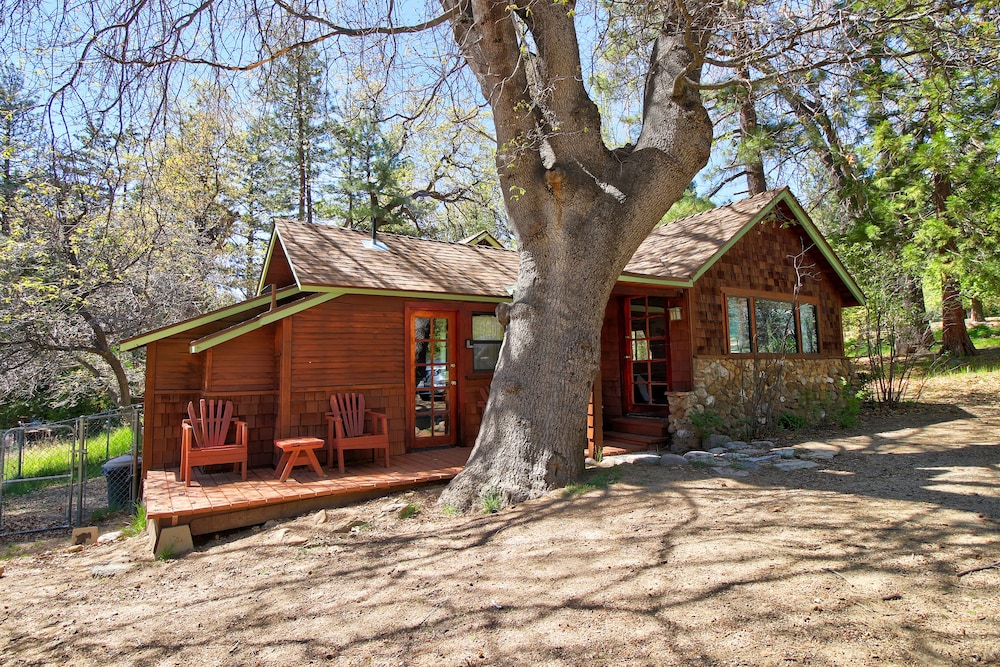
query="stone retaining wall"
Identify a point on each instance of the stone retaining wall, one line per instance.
(728, 390)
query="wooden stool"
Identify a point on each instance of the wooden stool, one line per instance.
(293, 450)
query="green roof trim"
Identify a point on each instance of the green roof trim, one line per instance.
(207, 318)
(660, 282)
(807, 224)
(267, 258)
(435, 296)
(260, 321)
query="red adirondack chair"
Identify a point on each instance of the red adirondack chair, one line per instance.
(351, 426)
(204, 438)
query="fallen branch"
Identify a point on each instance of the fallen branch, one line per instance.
(832, 571)
(991, 566)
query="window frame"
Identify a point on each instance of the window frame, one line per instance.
(473, 342)
(751, 297)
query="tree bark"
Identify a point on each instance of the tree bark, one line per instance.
(954, 336)
(977, 311)
(579, 211)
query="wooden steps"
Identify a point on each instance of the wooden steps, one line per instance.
(634, 433)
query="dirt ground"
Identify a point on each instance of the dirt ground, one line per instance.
(858, 562)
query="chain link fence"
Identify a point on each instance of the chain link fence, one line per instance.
(58, 475)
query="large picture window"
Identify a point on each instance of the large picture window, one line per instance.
(487, 336)
(771, 326)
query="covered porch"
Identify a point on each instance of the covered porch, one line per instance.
(223, 501)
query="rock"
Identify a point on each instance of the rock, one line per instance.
(392, 507)
(718, 450)
(699, 454)
(349, 525)
(737, 445)
(762, 444)
(320, 517)
(795, 464)
(294, 539)
(716, 440)
(642, 459)
(730, 472)
(766, 459)
(734, 456)
(270, 524)
(76, 548)
(784, 452)
(673, 460)
(590, 462)
(109, 537)
(819, 454)
(110, 569)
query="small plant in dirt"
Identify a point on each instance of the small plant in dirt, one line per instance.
(100, 514)
(450, 510)
(11, 551)
(411, 510)
(705, 423)
(138, 523)
(847, 415)
(492, 500)
(702, 463)
(790, 421)
(598, 480)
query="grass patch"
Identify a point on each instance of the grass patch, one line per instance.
(51, 457)
(600, 479)
(11, 551)
(450, 510)
(492, 500)
(137, 526)
(411, 510)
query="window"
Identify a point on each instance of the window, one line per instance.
(808, 323)
(487, 336)
(771, 326)
(739, 324)
(775, 322)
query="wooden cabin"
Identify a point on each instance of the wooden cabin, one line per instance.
(410, 323)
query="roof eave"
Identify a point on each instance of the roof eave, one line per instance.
(205, 318)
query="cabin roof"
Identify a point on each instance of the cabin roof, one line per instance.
(681, 251)
(337, 261)
(324, 256)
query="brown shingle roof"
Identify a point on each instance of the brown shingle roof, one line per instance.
(327, 256)
(679, 249)
(677, 253)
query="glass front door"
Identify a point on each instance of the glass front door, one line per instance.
(434, 378)
(647, 356)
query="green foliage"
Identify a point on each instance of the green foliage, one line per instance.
(137, 526)
(593, 480)
(847, 415)
(411, 510)
(450, 510)
(11, 551)
(689, 204)
(790, 421)
(705, 422)
(492, 500)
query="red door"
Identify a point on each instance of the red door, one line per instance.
(434, 378)
(647, 354)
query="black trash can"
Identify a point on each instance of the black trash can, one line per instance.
(119, 473)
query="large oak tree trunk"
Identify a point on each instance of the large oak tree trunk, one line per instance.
(579, 211)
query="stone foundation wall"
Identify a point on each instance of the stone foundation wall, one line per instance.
(730, 392)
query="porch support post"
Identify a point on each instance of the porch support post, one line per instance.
(283, 427)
